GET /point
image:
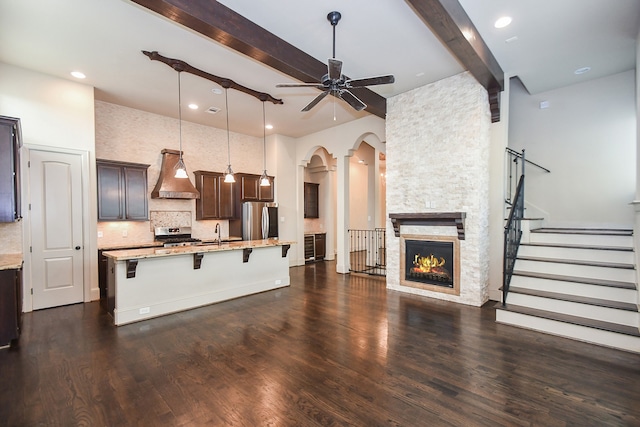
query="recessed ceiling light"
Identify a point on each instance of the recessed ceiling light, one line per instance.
(193, 106)
(420, 74)
(582, 70)
(511, 39)
(216, 91)
(268, 127)
(502, 22)
(78, 75)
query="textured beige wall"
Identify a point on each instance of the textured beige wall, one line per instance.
(438, 161)
(131, 135)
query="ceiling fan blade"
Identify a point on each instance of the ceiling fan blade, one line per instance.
(352, 100)
(370, 81)
(335, 69)
(317, 85)
(316, 100)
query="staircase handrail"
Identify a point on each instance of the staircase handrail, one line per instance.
(512, 235)
(520, 155)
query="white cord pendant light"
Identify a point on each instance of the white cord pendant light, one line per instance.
(264, 179)
(228, 174)
(181, 169)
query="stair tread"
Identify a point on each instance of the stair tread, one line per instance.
(572, 246)
(583, 280)
(589, 231)
(579, 262)
(575, 298)
(576, 320)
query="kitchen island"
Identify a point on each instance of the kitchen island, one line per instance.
(151, 282)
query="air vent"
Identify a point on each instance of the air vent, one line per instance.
(213, 110)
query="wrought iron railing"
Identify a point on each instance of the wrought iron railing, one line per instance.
(513, 233)
(368, 251)
(515, 162)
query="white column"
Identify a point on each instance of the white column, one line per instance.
(342, 200)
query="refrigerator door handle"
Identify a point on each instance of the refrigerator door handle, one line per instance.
(265, 222)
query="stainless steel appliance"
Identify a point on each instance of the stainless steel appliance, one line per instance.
(259, 220)
(175, 236)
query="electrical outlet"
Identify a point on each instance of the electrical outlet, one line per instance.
(100, 234)
(278, 282)
(145, 310)
(124, 233)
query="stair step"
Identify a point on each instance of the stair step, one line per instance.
(606, 310)
(584, 280)
(581, 269)
(579, 262)
(577, 252)
(576, 320)
(576, 298)
(590, 231)
(570, 246)
(572, 237)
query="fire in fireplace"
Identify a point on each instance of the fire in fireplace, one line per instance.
(430, 262)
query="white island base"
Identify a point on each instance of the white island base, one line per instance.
(165, 280)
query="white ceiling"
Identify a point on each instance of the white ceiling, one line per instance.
(104, 39)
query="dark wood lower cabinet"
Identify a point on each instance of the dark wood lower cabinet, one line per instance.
(315, 247)
(10, 305)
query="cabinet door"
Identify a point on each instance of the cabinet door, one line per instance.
(227, 199)
(135, 190)
(311, 200)
(110, 188)
(10, 307)
(249, 187)
(320, 245)
(208, 205)
(9, 170)
(265, 194)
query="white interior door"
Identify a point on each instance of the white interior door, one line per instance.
(56, 228)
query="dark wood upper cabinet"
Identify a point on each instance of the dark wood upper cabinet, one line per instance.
(216, 196)
(311, 209)
(10, 142)
(251, 191)
(122, 191)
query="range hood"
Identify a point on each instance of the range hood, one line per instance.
(170, 187)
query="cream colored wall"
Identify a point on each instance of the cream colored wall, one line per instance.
(55, 114)
(587, 138)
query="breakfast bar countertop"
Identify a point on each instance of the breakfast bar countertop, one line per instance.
(10, 261)
(120, 255)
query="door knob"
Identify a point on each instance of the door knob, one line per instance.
(78, 248)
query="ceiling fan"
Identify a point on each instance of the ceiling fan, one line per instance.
(335, 82)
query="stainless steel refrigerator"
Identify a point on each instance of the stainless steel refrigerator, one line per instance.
(259, 220)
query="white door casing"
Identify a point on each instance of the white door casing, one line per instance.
(56, 228)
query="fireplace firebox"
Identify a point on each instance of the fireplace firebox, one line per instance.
(430, 262)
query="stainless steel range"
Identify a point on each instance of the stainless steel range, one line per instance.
(175, 236)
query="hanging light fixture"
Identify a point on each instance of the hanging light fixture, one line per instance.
(264, 179)
(181, 169)
(228, 174)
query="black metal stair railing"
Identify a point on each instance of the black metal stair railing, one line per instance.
(513, 233)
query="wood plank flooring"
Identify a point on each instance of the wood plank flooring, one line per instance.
(330, 350)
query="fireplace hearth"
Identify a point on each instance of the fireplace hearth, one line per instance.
(430, 262)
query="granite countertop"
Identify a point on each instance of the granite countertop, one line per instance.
(10, 261)
(120, 255)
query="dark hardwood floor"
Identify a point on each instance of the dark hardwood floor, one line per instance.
(328, 350)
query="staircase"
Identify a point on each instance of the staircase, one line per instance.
(576, 283)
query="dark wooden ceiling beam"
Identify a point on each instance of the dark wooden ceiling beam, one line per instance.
(230, 29)
(451, 24)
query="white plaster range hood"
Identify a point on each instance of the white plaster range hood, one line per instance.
(170, 187)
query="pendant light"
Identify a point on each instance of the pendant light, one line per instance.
(181, 169)
(264, 179)
(228, 174)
